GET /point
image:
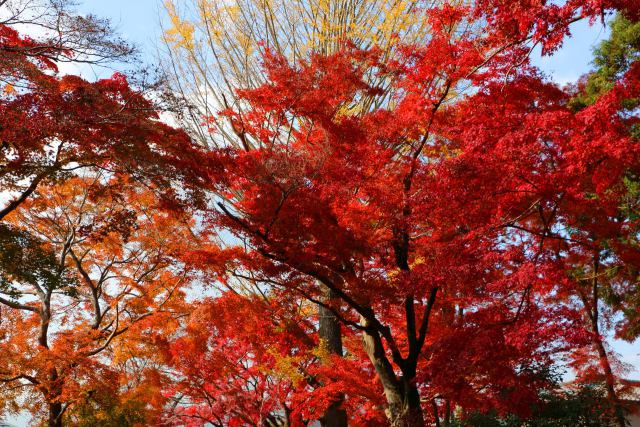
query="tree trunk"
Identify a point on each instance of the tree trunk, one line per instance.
(55, 407)
(331, 336)
(329, 330)
(406, 412)
(447, 413)
(610, 382)
(335, 416)
(403, 399)
(55, 414)
(593, 312)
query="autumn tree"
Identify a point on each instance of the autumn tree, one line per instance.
(572, 161)
(87, 172)
(605, 277)
(85, 265)
(53, 125)
(208, 64)
(364, 204)
(234, 367)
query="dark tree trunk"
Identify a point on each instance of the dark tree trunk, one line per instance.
(436, 415)
(592, 304)
(335, 416)
(447, 413)
(610, 383)
(330, 331)
(55, 407)
(55, 414)
(331, 336)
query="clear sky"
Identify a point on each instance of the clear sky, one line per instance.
(574, 58)
(139, 22)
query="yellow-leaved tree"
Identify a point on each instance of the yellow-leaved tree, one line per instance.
(215, 47)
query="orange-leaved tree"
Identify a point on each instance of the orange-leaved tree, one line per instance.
(91, 285)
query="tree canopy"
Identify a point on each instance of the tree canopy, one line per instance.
(371, 213)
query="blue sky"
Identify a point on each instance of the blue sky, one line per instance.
(138, 21)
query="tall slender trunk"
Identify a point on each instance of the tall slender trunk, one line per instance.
(447, 413)
(331, 335)
(436, 415)
(52, 392)
(591, 304)
(612, 395)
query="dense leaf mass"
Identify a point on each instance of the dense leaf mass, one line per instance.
(407, 239)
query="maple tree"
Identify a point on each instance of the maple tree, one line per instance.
(257, 365)
(407, 234)
(88, 269)
(207, 66)
(578, 186)
(417, 215)
(91, 207)
(51, 126)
